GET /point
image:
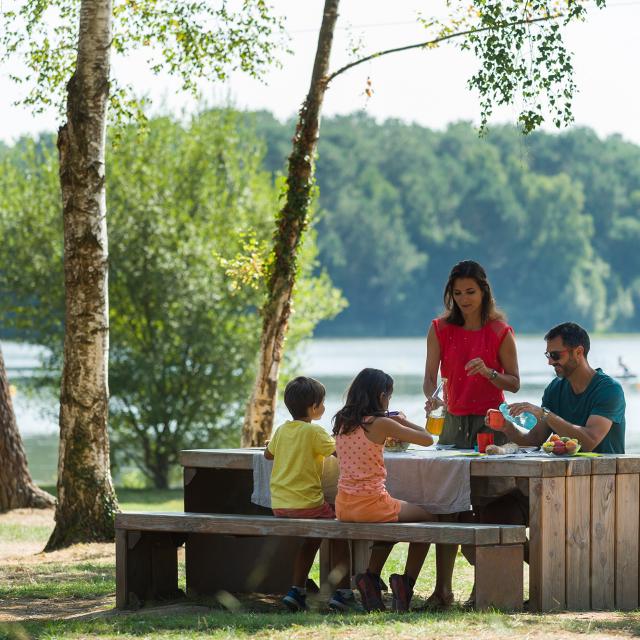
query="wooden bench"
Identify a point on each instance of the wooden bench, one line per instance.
(147, 565)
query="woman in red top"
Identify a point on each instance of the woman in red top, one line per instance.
(475, 350)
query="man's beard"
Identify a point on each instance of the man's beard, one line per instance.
(565, 370)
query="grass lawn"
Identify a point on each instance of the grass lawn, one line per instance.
(71, 594)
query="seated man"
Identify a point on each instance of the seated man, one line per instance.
(581, 402)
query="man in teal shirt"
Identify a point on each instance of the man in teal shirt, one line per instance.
(581, 402)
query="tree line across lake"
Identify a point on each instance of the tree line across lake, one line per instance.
(554, 218)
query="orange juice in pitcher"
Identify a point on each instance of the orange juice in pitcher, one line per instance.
(435, 419)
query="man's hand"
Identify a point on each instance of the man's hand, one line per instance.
(517, 408)
(477, 366)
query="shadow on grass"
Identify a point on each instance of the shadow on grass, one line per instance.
(231, 624)
(242, 623)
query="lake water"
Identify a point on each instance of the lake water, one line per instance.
(334, 362)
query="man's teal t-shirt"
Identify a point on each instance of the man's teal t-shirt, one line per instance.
(603, 397)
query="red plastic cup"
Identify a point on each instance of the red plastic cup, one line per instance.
(484, 439)
(495, 419)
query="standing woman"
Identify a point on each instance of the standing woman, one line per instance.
(475, 350)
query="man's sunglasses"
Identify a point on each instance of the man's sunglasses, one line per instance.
(555, 355)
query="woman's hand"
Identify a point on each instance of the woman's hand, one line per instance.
(432, 403)
(477, 366)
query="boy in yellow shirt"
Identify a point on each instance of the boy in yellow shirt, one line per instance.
(298, 449)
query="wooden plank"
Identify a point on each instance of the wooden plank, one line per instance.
(325, 561)
(360, 555)
(524, 468)
(578, 543)
(122, 589)
(219, 458)
(503, 588)
(241, 525)
(513, 534)
(239, 564)
(578, 467)
(189, 473)
(626, 554)
(547, 544)
(604, 465)
(629, 463)
(603, 493)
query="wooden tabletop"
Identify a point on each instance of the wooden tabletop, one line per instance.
(529, 467)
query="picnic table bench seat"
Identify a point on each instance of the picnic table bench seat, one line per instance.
(147, 542)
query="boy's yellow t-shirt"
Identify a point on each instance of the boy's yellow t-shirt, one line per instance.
(298, 449)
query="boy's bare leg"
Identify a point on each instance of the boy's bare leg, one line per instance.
(340, 576)
(304, 560)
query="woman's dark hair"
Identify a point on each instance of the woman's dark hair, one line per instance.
(363, 399)
(470, 269)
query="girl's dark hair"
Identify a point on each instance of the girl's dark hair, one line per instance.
(363, 399)
(470, 269)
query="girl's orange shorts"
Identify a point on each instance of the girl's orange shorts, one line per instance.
(379, 507)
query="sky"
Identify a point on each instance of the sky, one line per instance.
(427, 87)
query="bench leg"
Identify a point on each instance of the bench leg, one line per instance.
(146, 567)
(499, 577)
(360, 556)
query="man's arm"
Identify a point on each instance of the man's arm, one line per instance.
(589, 436)
(523, 438)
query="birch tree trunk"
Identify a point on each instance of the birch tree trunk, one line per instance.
(86, 499)
(17, 489)
(291, 223)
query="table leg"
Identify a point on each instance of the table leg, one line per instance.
(626, 555)
(578, 543)
(547, 543)
(603, 500)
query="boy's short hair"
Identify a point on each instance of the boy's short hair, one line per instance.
(572, 334)
(301, 394)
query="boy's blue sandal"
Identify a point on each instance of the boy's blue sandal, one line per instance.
(344, 601)
(295, 601)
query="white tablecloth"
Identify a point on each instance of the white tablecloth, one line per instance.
(434, 479)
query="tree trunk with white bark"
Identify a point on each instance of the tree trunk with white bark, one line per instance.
(86, 499)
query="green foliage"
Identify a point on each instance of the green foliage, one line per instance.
(555, 219)
(521, 54)
(193, 40)
(184, 329)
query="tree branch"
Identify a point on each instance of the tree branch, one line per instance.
(436, 41)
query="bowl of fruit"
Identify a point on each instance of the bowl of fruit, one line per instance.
(391, 444)
(561, 446)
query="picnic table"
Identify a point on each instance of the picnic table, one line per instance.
(584, 522)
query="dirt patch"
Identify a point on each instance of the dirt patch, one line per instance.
(20, 561)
